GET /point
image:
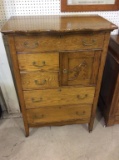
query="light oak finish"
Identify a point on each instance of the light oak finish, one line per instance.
(59, 114)
(37, 43)
(39, 80)
(81, 67)
(38, 62)
(109, 94)
(58, 67)
(59, 96)
(52, 43)
(83, 41)
(18, 82)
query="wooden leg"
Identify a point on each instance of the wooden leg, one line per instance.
(27, 130)
(90, 125)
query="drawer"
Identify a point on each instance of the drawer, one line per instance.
(42, 62)
(61, 96)
(39, 43)
(39, 80)
(50, 115)
(82, 41)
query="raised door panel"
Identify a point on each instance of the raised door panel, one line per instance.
(79, 68)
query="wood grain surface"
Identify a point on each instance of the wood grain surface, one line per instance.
(50, 115)
(41, 62)
(60, 96)
(80, 41)
(37, 43)
(39, 80)
(58, 63)
(58, 23)
(79, 68)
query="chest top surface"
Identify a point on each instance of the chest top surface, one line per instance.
(56, 23)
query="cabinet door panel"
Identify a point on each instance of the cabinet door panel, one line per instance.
(79, 68)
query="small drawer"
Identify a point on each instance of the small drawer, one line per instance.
(42, 62)
(61, 96)
(39, 43)
(82, 41)
(66, 114)
(39, 80)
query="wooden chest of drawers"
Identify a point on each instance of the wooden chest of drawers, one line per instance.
(109, 94)
(58, 63)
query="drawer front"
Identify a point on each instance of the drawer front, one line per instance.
(42, 62)
(56, 43)
(39, 80)
(82, 41)
(61, 96)
(37, 43)
(48, 115)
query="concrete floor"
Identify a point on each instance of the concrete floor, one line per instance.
(72, 142)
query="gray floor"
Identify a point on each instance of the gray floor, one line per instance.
(71, 142)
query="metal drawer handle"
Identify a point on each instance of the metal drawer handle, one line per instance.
(42, 83)
(93, 41)
(65, 71)
(31, 46)
(38, 116)
(36, 101)
(36, 65)
(82, 97)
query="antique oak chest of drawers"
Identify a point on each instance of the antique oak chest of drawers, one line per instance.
(109, 94)
(58, 63)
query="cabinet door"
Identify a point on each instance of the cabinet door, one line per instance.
(79, 68)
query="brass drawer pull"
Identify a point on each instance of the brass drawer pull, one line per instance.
(31, 46)
(42, 83)
(82, 97)
(38, 116)
(65, 71)
(36, 101)
(59, 90)
(93, 41)
(36, 65)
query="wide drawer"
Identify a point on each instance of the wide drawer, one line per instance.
(61, 96)
(75, 41)
(43, 62)
(39, 43)
(82, 41)
(39, 80)
(59, 115)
